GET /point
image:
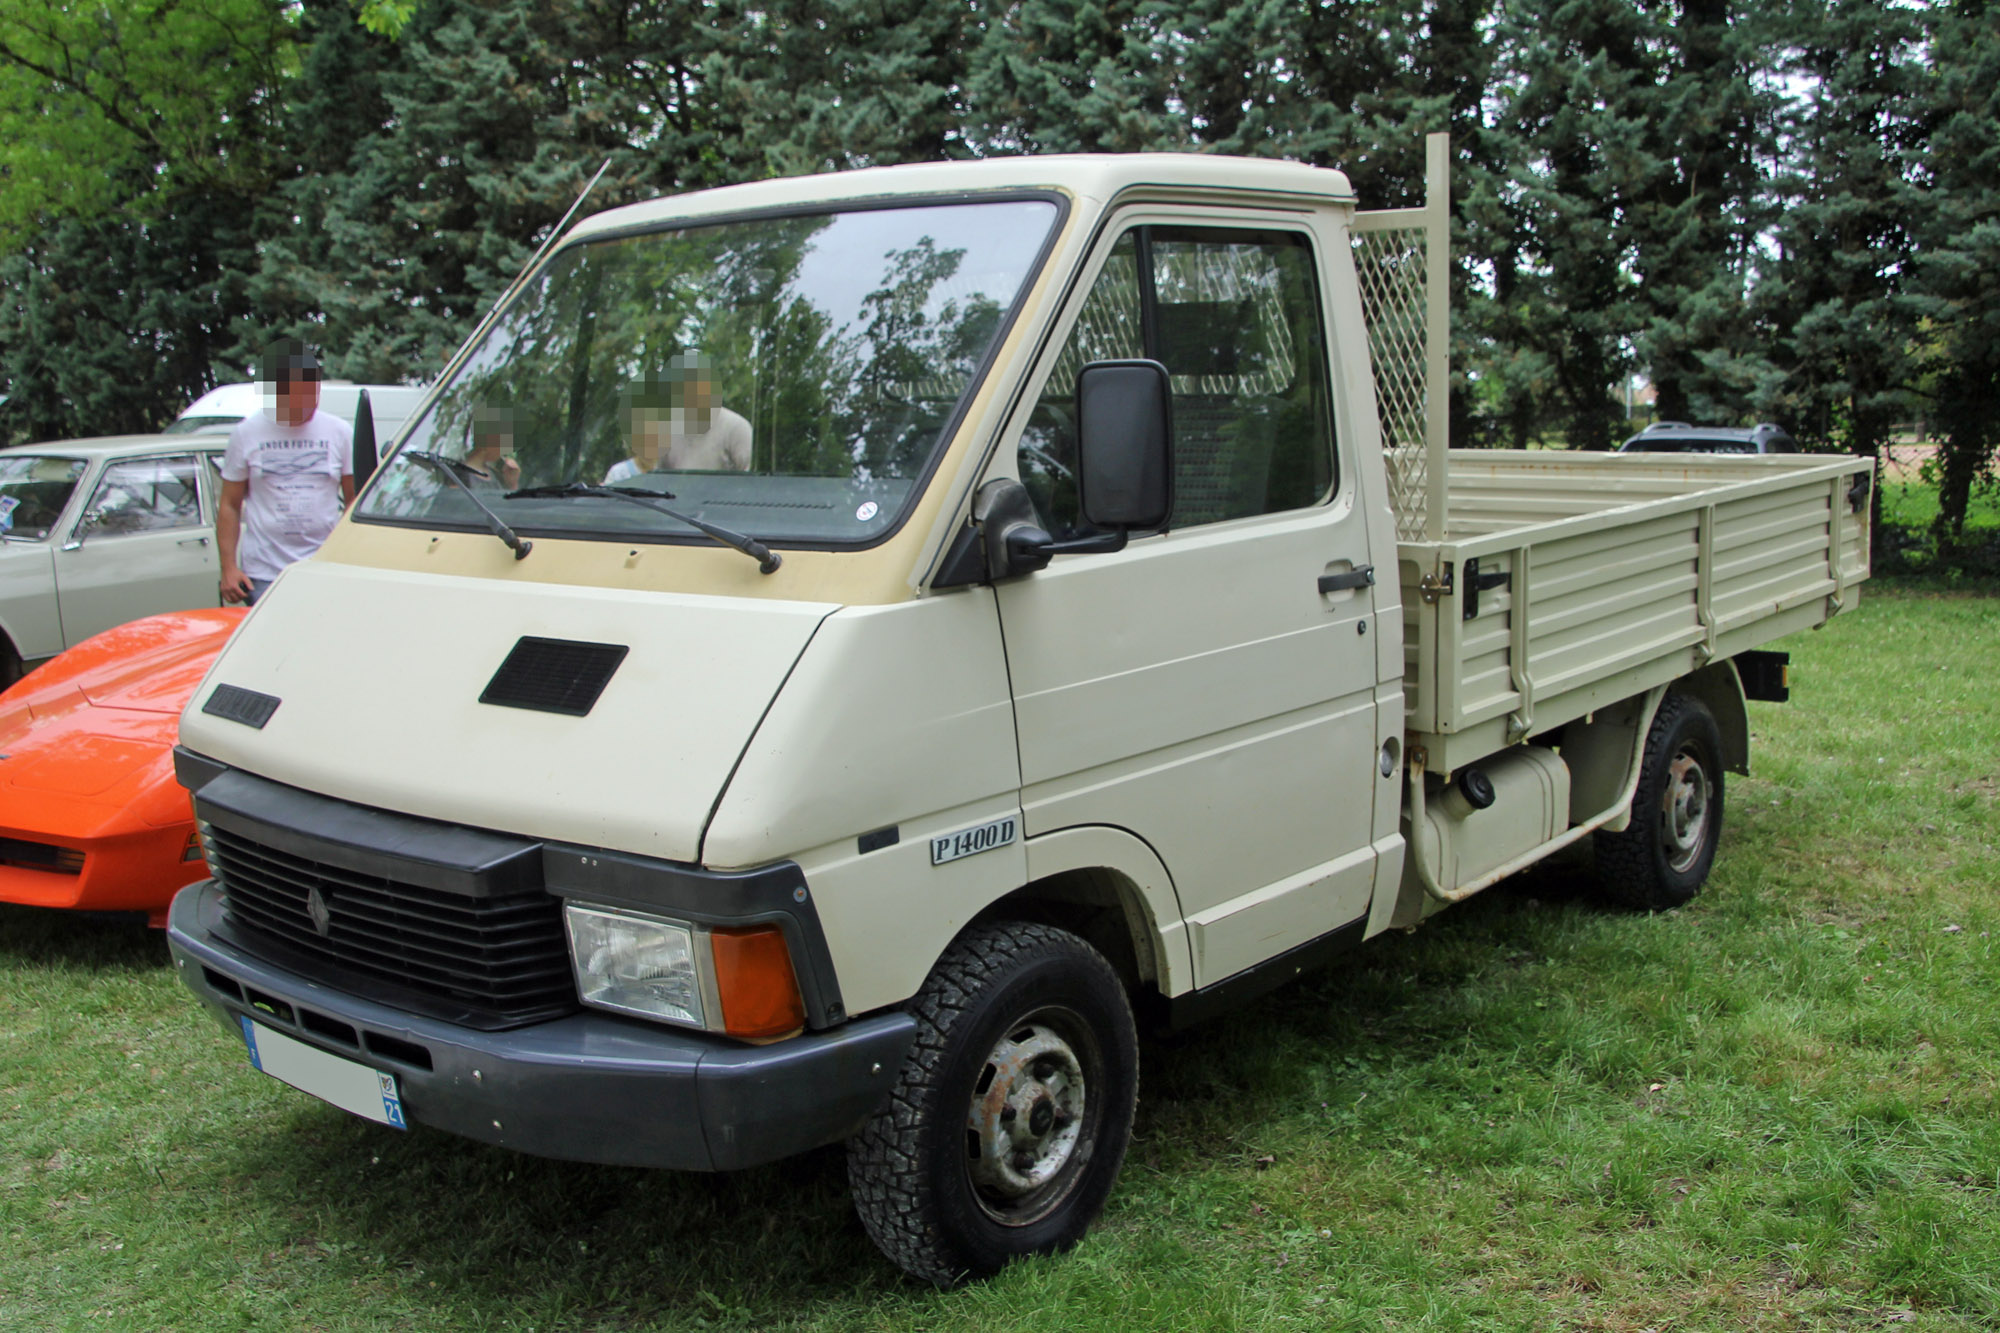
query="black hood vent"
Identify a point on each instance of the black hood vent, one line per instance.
(554, 675)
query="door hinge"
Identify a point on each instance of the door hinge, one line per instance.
(1476, 583)
(1431, 587)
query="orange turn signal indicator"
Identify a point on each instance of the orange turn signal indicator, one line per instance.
(756, 984)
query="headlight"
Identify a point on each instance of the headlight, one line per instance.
(636, 964)
(736, 980)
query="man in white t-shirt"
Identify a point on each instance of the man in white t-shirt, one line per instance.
(676, 427)
(286, 476)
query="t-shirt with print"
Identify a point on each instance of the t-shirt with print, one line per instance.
(294, 474)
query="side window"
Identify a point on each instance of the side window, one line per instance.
(1234, 315)
(146, 495)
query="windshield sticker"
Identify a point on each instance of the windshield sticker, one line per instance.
(970, 842)
(9, 503)
(867, 511)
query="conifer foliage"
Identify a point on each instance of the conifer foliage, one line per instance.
(1767, 209)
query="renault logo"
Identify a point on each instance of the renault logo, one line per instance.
(321, 914)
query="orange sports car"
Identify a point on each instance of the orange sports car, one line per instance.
(90, 814)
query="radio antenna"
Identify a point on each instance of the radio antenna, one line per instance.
(520, 280)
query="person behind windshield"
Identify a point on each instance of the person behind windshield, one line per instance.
(675, 426)
(491, 458)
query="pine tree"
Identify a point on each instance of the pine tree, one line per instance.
(1957, 277)
(1583, 75)
(1699, 209)
(114, 324)
(824, 85)
(475, 130)
(1840, 322)
(1074, 76)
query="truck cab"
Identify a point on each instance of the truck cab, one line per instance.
(932, 625)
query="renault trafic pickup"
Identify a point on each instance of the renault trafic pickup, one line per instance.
(945, 615)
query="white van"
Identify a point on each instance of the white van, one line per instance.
(225, 405)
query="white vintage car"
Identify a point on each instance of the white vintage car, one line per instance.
(94, 533)
(98, 532)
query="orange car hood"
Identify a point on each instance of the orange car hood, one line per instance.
(89, 736)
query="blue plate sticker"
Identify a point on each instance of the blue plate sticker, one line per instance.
(392, 1105)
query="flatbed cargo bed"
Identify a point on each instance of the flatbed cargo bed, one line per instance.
(1567, 581)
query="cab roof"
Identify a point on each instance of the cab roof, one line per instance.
(1098, 176)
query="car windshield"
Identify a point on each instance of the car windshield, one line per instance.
(789, 378)
(33, 490)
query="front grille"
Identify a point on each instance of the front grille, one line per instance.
(499, 958)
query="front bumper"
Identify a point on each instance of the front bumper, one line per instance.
(132, 872)
(588, 1087)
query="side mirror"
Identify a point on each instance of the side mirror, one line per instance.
(1124, 478)
(1125, 458)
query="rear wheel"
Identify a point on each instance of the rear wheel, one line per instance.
(1661, 859)
(1010, 1118)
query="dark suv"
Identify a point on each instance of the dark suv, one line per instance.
(1677, 437)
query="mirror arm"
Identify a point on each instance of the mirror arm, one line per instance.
(1096, 543)
(1029, 548)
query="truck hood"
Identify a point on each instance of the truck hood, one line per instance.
(378, 677)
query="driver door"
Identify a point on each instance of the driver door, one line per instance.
(1201, 688)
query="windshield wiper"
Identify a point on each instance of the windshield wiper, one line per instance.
(767, 559)
(449, 467)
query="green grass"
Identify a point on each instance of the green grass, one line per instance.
(1775, 1109)
(1914, 504)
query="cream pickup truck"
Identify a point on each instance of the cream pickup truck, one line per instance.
(946, 616)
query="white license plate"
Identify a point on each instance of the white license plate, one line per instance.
(368, 1093)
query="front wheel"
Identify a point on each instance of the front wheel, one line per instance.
(1661, 859)
(1009, 1120)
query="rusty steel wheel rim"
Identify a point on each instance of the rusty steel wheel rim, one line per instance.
(1027, 1127)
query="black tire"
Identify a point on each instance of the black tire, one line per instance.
(1660, 861)
(1009, 1120)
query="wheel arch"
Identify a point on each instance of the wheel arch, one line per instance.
(1720, 690)
(1106, 885)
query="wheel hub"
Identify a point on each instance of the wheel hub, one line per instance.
(1026, 1116)
(1684, 826)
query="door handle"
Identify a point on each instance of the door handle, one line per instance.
(192, 541)
(1363, 577)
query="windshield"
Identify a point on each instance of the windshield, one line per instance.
(789, 378)
(33, 490)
